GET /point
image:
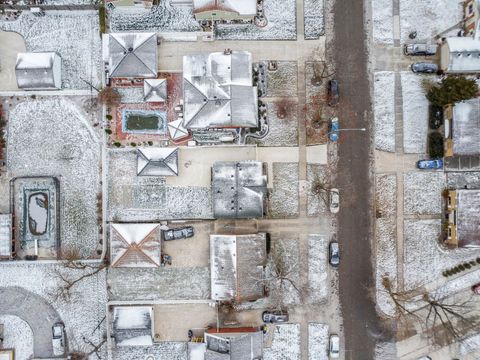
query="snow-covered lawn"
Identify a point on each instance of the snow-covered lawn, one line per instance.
(81, 314)
(428, 18)
(133, 94)
(52, 137)
(160, 351)
(415, 113)
(17, 335)
(286, 343)
(384, 109)
(423, 192)
(317, 268)
(283, 200)
(313, 18)
(74, 34)
(316, 204)
(382, 17)
(283, 81)
(317, 341)
(282, 24)
(460, 180)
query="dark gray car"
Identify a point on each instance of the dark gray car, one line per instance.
(180, 233)
(424, 67)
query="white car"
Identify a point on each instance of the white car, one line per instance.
(58, 339)
(334, 347)
(334, 201)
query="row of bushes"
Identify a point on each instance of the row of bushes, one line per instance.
(435, 145)
(462, 267)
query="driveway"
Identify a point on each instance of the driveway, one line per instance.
(36, 312)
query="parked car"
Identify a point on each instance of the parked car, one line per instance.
(424, 67)
(334, 253)
(430, 164)
(58, 339)
(334, 200)
(334, 129)
(180, 233)
(476, 289)
(425, 358)
(333, 93)
(274, 317)
(419, 49)
(435, 117)
(334, 347)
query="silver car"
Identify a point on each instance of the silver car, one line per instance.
(274, 317)
(420, 49)
(58, 339)
(334, 201)
(334, 347)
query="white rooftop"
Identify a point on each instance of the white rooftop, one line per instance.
(38, 70)
(177, 130)
(5, 235)
(155, 90)
(242, 7)
(466, 127)
(157, 161)
(464, 54)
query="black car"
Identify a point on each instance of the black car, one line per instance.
(435, 117)
(274, 317)
(424, 67)
(333, 93)
(180, 233)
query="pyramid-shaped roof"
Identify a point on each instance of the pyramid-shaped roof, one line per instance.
(177, 130)
(155, 90)
(135, 245)
(157, 162)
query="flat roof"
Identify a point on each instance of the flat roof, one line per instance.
(466, 127)
(468, 218)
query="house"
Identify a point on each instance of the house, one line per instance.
(228, 10)
(135, 245)
(218, 91)
(131, 55)
(237, 266)
(239, 189)
(463, 218)
(460, 55)
(5, 236)
(234, 344)
(155, 90)
(132, 325)
(471, 16)
(39, 71)
(462, 128)
(157, 162)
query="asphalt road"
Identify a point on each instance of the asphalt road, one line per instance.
(36, 312)
(361, 326)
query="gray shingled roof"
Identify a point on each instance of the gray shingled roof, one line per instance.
(157, 162)
(38, 70)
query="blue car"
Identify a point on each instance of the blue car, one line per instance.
(334, 127)
(430, 164)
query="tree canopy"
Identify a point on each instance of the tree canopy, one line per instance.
(452, 89)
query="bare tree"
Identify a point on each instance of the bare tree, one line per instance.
(109, 96)
(321, 184)
(321, 71)
(93, 349)
(285, 107)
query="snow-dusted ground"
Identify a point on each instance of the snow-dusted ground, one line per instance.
(160, 18)
(17, 335)
(133, 94)
(75, 35)
(385, 351)
(52, 137)
(283, 201)
(283, 81)
(423, 192)
(382, 17)
(317, 341)
(282, 24)
(469, 345)
(81, 314)
(385, 237)
(428, 18)
(285, 344)
(160, 351)
(415, 113)
(315, 204)
(317, 268)
(424, 258)
(384, 109)
(313, 18)
(458, 180)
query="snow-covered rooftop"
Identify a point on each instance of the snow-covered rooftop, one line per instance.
(157, 162)
(155, 90)
(38, 70)
(242, 7)
(218, 90)
(132, 325)
(464, 54)
(177, 130)
(468, 218)
(234, 346)
(5, 235)
(466, 127)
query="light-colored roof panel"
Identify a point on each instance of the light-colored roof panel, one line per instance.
(242, 7)
(157, 161)
(464, 54)
(466, 127)
(468, 218)
(223, 266)
(177, 130)
(5, 235)
(38, 70)
(155, 90)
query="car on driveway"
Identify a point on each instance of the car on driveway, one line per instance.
(419, 49)
(334, 129)
(274, 317)
(476, 289)
(180, 233)
(58, 339)
(334, 254)
(424, 67)
(435, 117)
(334, 347)
(334, 200)
(333, 93)
(430, 164)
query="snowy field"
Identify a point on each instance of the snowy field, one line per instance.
(282, 24)
(160, 18)
(81, 314)
(60, 143)
(385, 237)
(313, 18)
(382, 17)
(415, 114)
(317, 268)
(283, 81)
(160, 351)
(75, 35)
(428, 18)
(286, 343)
(384, 109)
(423, 192)
(283, 200)
(317, 341)
(315, 204)
(17, 335)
